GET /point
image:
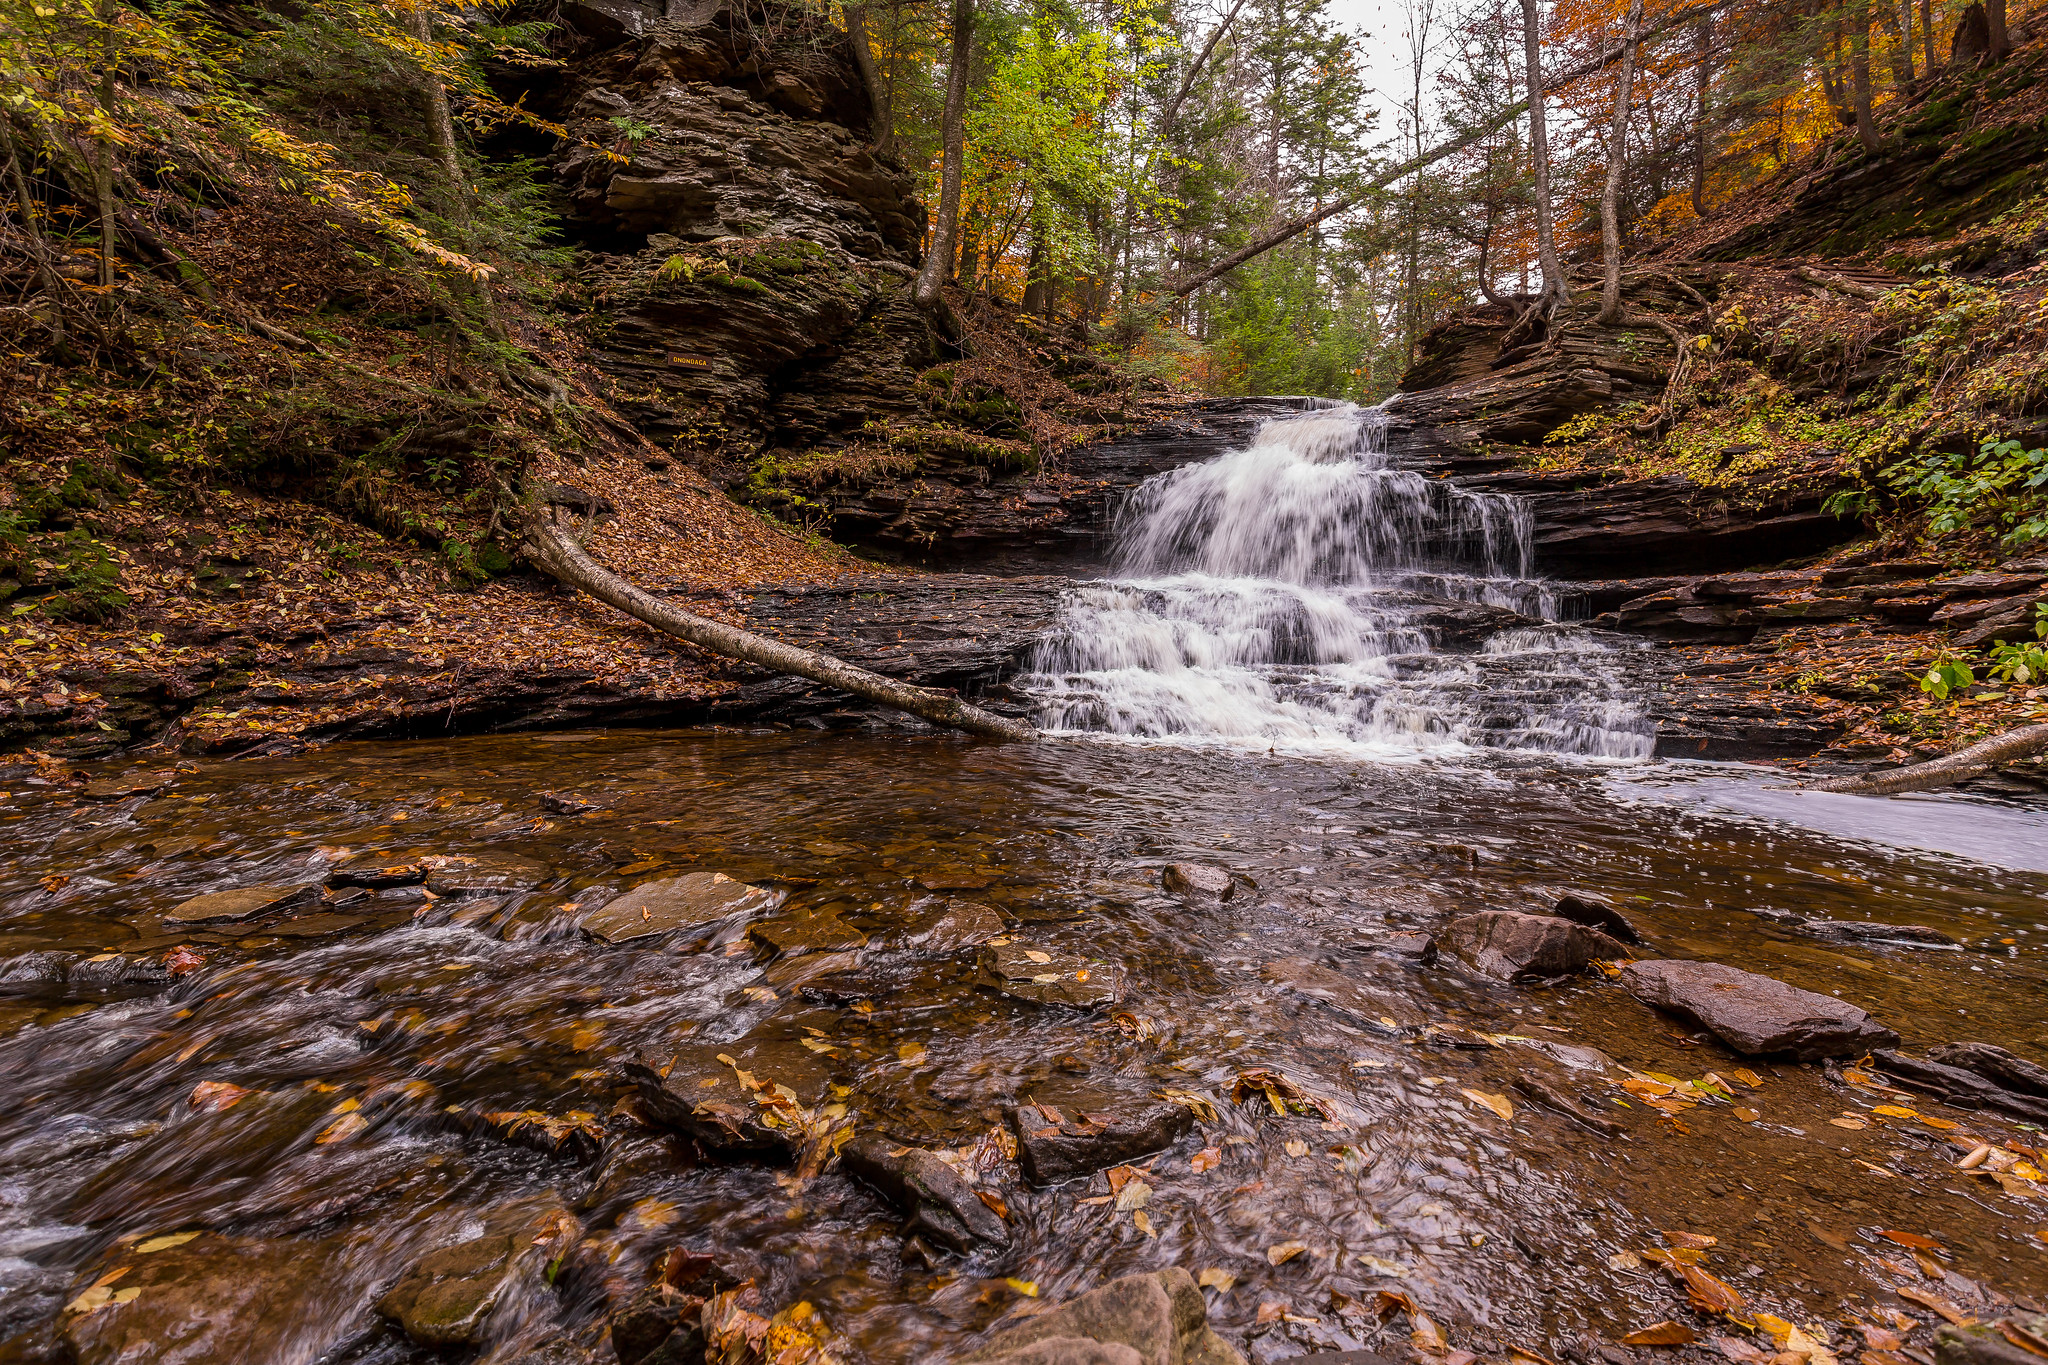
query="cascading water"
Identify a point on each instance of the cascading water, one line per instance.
(1291, 594)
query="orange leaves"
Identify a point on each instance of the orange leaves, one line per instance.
(1661, 1334)
(211, 1097)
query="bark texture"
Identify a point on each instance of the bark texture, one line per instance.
(550, 548)
(938, 258)
(1960, 766)
(1617, 163)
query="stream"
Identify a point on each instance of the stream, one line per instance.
(258, 1126)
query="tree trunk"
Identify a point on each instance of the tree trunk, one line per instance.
(1037, 285)
(1555, 290)
(1900, 54)
(1171, 112)
(103, 164)
(554, 551)
(953, 137)
(1961, 766)
(1859, 76)
(1702, 125)
(1927, 36)
(38, 241)
(1617, 163)
(2001, 41)
(881, 118)
(440, 122)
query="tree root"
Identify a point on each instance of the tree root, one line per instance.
(550, 548)
(1960, 766)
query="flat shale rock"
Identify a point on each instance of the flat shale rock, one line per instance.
(1043, 977)
(1995, 1064)
(813, 933)
(245, 903)
(483, 874)
(127, 785)
(1506, 945)
(1872, 931)
(939, 1202)
(378, 869)
(213, 1299)
(1377, 1010)
(690, 901)
(448, 1294)
(950, 926)
(1756, 1015)
(1055, 1145)
(1961, 1087)
(1155, 1319)
(1196, 882)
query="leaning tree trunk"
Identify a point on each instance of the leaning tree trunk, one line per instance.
(1555, 290)
(1960, 766)
(1703, 47)
(552, 549)
(938, 258)
(1617, 163)
(1859, 78)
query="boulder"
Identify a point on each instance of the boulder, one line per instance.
(1043, 977)
(483, 874)
(727, 1126)
(1155, 1319)
(690, 901)
(1994, 1064)
(1595, 912)
(939, 1202)
(447, 1296)
(1753, 1014)
(1196, 882)
(1506, 944)
(245, 903)
(1376, 1010)
(1054, 1147)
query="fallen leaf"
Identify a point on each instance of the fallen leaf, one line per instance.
(1295, 1147)
(1747, 1077)
(1851, 1123)
(1708, 1294)
(2022, 1338)
(1216, 1279)
(211, 1097)
(1208, 1159)
(1038, 957)
(910, 1054)
(1117, 1175)
(1937, 1303)
(1497, 1103)
(1284, 1252)
(1880, 1338)
(1143, 1221)
(1271, 1311)
(1690, 1239)
(1739, 1350)
(1134, 1195)
(1910, 1239)
(347, 1126)
(1098, 1199)
(1674, 1257)
(1524, 1353)
(1624, 1260)
(1746, 1115)
(1893, 1111)
(995, 1204)
(1943, 1124)
(1661, 1334)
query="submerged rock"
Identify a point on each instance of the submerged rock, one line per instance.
(1994, 1064)
(127, 785)
(808, 933)
(566, 803)
(1412, 947)
(377, 869)
(1196, 882)
(941, 1205)
(1960, 1087)
(448, 1294)
(1053, 1147)
(1155, 1319)
(1873, 931)
(1986, 1344)
(1048, 978)
(952, 925)
(1755, 1014)
(1507, 944)
(1376, 1010)
(686, 902)
(659, 1319)
(245, 903)
(481, 874)
(728, 1126)
(186, 1300)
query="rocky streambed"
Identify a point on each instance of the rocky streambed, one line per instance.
(582, 1047)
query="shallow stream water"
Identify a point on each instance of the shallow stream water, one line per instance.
(1504, 1229)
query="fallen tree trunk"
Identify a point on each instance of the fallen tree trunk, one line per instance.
(1960, 766)
(550, 548)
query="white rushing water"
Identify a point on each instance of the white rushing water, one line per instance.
(1281, 596)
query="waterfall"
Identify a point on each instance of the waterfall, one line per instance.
(1291, 594)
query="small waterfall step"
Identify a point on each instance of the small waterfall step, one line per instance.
(1302, 593)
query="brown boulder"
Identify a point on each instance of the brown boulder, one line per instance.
(1756, 1015)
(1506, 944)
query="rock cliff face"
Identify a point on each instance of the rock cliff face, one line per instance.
(750, 279)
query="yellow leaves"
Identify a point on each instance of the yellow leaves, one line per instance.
(1283, 1252)
(1746, 1115)
(343, 1128)
(1028, 1288)
(1747, 1077)
(1893, 1111)
(1216, 1279)
(1853, 1122)
(1202, 1106)
(1284, 1095)
(101, 1293)
(1295, 1148)
(911, 1053)
(1143, 1222)
(1708, 1294)
(1135, 1194)
(164, 1243)
(1497, 1103)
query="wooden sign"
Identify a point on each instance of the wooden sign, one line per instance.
(690, 362)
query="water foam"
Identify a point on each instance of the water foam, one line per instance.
(1280, 596)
